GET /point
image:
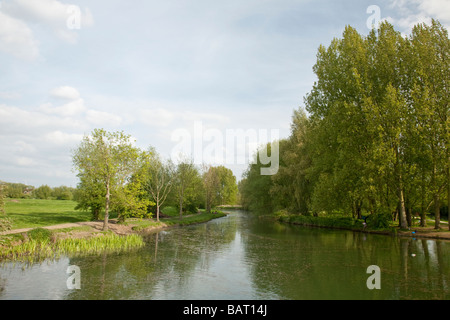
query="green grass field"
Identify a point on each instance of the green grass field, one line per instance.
(33, 213)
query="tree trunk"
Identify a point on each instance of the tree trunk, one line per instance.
(423, 216)
(409, 215)
(402, 213)
(95, 213)
(108, 195)
(157, 210)
(448, 196)
(400, 193)
(437, 213)
(181, 207)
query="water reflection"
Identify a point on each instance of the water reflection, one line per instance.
(328, 264)
(242, 257)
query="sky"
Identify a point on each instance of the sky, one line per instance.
(172, 73)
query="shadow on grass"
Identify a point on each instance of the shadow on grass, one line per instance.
(41, 219)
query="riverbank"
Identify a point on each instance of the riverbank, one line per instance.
(348, 223)
(82, 237)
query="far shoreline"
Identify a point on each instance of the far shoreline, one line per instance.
(413, 232)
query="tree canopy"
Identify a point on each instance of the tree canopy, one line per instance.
(373, 137)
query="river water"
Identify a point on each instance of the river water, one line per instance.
(244, 257)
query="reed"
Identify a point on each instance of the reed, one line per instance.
(48, 247)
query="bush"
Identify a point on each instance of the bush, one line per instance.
(379, 220)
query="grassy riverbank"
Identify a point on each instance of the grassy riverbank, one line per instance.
(48, 228)
(39, 244)
(349, 223)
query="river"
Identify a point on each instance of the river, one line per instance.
(244, 257)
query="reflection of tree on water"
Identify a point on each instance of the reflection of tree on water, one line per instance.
(313, 263)
(254, 258)
(425, 269)
(2, 285)
(165, 264)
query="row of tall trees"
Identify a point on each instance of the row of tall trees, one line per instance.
(117, 176)
(374, 138)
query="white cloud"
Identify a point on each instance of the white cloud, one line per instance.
(69, 109)
(25, 161)
(440, 9)
(65, 92)
(412, 12)
(14, 120)
(157, 117)
(9, 95)
(101, 118)
(62, 138)
(17, 39)
(24, 147)
(55, 15)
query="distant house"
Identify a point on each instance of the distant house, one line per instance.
(28, 190)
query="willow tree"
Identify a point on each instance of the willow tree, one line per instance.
(106, 157)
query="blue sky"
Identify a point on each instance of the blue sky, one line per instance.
(152, 67)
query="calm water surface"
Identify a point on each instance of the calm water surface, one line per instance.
(244, 257)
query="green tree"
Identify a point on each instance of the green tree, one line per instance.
(187, 180)
(227, 190)
(43, 192)
(130, 198)
(62, 193)
(107, 157)
(211, 185)
(16, 190)
(255, 188)
(430, 100)
(90, 195)
(376, 137)
(161, 178)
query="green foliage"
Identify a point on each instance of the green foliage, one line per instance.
(43, 192)
(105, 161)
(17, 190)
(188, 187)
(39, 234)
(5, 223)
(220, 186)
(379, 220)
(62, 193)
(377, 132)
(160, 178)
(90, 195)
(255, 188)
(2, 198)
(43, 247)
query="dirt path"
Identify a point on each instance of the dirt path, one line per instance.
(96, 226)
